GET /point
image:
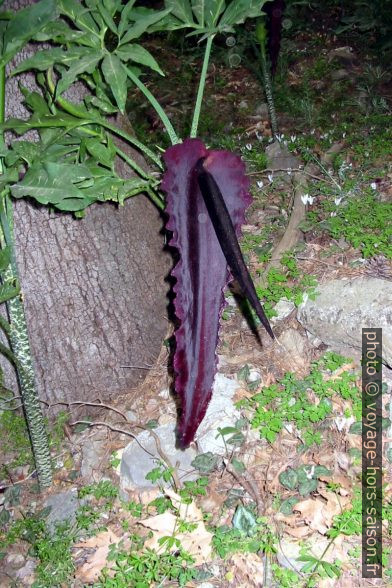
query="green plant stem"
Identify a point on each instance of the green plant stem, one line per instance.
(268, 90)
(74, 110)
(155, 104)
(202, 83)
(19, 339)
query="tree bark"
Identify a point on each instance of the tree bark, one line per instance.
(94, 290)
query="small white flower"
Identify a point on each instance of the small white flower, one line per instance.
(338, 200)
(293, 138)
(344, 134)
(258, 136)
(306, 199)
(333, 213)
(260, 183)
(289, 171)
(312, 132)
(373, 186)
(249, 146)
(270, 178)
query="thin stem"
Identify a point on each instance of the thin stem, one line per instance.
(155, 104)
(202, 83)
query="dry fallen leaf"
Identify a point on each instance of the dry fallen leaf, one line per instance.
(298, 532)
(247, 571)
(90, 571)
(196, 542)
(312, 511)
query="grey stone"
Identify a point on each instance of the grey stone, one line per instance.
(221, 412)
(288, 554)
(283, 309)
(64, 506)
(345, 55)
(339, 74)
(295, 353)
(279, 157)
(343, 307)
(262, 110)
(141, 456)
(15, 560)
(94, 450)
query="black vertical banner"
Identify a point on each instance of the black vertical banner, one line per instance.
(371, 453)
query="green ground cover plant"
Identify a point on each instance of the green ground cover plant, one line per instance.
(288, 402)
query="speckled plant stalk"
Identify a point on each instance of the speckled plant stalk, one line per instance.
(261, 34)
(18, 336)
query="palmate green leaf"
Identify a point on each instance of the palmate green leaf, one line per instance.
(60, 32)
(22, 150)
(34, 101)
(86, 64)
(212, 11)
(124, 20)
(116, 77)
(24, 24)
(75, 204)
(182, 10)
(104, 155)
(107, 17)
(141, 25)
(79, 15)
(45, 121)
(51, 183)
(9, 290)
(41, 61)
(238, 11)
(138, 54)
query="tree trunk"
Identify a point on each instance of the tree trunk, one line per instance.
(94, 290)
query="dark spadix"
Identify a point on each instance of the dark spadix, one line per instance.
(207, 196)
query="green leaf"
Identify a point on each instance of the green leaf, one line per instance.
(79, 15)
(321, 471)
(51, 183)
(74, 204)
(124, 20)
(289, 479)
(22, 150)
(182, 10)
(205, 462)
(355, 428)
(116, 77)
(198, 8)
(107, 17)
(287, 505)
(4, 516)
(60, 32)
(85, 64)
(46, 121)
(244, 520)
(239, 10)
(308, 486)
(24, 24)
(35, 102)
(43, 59)
(9, 290)
(138, 54)
(5, 258)
(213, 10)
(101, 153)
(142, 24)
